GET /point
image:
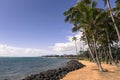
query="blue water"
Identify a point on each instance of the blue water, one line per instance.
(18, 68)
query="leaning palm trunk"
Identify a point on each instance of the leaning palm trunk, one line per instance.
(106, 55)
(97, 56)
(111, 14)
(109, 45)
(100, 52)
(110, 53)
(90, 50)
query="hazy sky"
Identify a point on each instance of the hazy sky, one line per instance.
(35, 26)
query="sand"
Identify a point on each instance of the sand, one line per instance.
(91, 72)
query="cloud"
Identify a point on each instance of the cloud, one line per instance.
(69, 46)
(58, 48)
(9, 51)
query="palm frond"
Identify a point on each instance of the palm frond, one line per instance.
(105, 2)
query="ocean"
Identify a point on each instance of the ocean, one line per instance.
(17, 68)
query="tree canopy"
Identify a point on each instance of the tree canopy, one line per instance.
(100, 27)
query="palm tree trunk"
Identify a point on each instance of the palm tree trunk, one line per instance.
(109, 45)
(106, 56)
(100, 52)
(76, 46)
(111, 14)
(90, 50)
(97, 56)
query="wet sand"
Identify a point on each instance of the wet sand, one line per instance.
(91, 72)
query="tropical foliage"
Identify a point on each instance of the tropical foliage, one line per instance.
(100, 27)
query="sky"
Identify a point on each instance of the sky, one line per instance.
(35, 28)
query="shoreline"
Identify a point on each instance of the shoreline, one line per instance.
(20, 68)
(58, 73)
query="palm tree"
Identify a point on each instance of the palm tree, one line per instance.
(75, 39)
(107, 32)
(112, 17)
(73, 15)
(85, 15)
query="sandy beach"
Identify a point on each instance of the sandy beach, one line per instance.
(90, 72)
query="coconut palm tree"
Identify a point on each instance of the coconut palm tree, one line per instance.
(73, 15)
(75, 39)
(112, 17)
(86, 16)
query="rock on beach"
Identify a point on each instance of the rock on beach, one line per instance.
(58, 73)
